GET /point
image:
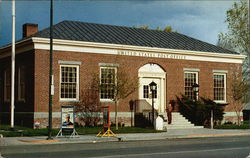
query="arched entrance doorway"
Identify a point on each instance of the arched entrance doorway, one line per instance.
(148, 73)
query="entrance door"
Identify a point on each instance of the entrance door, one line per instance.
(145, 92)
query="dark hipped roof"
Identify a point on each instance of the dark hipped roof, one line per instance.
(81, 31)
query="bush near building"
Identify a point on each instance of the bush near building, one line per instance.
(199, 111)
(230, 125)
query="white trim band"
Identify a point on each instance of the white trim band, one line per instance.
(128, 50)
(191, 69)
(69, 62)
(220, 71)
(108, 65)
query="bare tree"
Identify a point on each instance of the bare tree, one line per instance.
(239, 88)
(125, 85)
(89, 107)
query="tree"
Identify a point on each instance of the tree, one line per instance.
(88, 107)
(146, 27)
(225, 43)
(238, 39)
(125, 85)
(238, 89)
(166, 29)
(238, 34)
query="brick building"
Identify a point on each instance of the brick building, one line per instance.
(172, 60)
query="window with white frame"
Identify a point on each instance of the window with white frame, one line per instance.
(107, 81)
(219, 87)
(7, 85)
(190, 78)
(69, 82)
(21, 83)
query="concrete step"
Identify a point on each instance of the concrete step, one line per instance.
(179, 122)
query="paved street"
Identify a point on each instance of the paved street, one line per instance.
(216, 147)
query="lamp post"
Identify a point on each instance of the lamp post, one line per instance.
(51, 77)
(195, 88)
(153, 86)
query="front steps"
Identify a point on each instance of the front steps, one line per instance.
(178, 122)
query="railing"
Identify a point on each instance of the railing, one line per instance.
(143, 113)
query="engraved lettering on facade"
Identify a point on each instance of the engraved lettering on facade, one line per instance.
(147, 54)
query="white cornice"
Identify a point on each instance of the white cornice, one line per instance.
(135, 48)
(104, 48)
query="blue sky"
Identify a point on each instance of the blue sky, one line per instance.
(201, 19)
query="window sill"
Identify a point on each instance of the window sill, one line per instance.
(68, 100)
(106, 100)
(220, 102)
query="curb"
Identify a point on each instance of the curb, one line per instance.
(38, 141)
(217, 135)
(126, 139)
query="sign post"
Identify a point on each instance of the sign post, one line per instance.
(106, 131)
(67, 121)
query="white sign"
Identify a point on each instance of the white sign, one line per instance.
(67, 118)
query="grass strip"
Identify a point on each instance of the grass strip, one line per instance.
(23, 131)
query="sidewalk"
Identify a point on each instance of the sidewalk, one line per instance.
(170, 134)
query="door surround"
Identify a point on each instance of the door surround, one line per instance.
(154, 71)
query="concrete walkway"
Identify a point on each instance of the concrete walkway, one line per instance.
(170, 134)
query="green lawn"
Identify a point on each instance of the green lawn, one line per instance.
(23, 131)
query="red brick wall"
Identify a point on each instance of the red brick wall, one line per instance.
(89, 66)
(23, 109)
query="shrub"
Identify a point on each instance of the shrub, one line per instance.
(233, 126)
(199, 112)
(88, 108)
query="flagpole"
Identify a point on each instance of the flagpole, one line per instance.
(13, 66)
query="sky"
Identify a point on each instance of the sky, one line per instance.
(200, 19)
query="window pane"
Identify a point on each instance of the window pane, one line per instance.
(107, 83)
(190, 80)
(68, 82)
(219, 87)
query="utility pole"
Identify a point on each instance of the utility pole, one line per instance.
(51, 78)
(13, 67)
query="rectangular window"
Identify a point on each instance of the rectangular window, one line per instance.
(190, 79)
(21, 83)
(69, 82)
(219, 87)
(107, 81)
(145, 91)
(7, 85)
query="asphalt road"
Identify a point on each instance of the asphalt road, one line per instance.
(217, 147)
